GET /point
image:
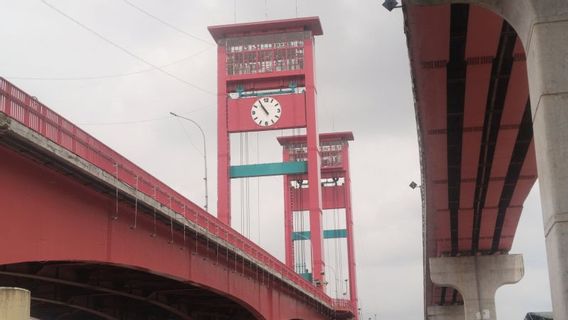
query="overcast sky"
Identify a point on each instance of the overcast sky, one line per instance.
(363, 86)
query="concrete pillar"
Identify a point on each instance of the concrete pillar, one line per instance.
(547, 62)
(454, 312)
(477, 279)
(14, 304)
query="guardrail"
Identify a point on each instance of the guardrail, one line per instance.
(27, 110)
(343, 305)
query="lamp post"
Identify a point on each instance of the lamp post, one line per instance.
(204, 156)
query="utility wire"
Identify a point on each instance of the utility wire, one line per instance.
(108, 76)
(167, 24)
(136, 121)
(121, 122)
(123, 49)
(188, 136)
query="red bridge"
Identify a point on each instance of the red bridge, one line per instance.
(93, 236)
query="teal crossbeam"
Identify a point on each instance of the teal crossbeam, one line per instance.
(269, 169)
(266, 93)
(327, 234)
(300, 235)
(290, 90)
(333, 234)
(307, 276)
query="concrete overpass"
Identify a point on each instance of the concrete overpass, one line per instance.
(488, 75)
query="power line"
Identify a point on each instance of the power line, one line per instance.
(109, 76)
(113, 123)
(123, 49)
(167, 23)
(189, 137)
(121, 122)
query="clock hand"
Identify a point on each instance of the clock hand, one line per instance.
(263, 108)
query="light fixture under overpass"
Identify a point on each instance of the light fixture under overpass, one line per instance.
(391, 4)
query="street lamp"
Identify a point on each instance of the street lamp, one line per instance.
(204, 156)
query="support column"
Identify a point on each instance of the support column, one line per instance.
(455, 312)
(477, 279)
(14, 304)
(223, 142)
(314, 172)
(288, 221)
(547, 62)
(350, 232)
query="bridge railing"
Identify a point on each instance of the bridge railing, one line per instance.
(27, 110)
(342, 304)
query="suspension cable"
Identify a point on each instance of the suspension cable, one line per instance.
(241, 184)
(247, 188)
(258, 188)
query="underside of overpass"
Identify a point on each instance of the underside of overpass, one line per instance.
(80, 290)
(475, 130)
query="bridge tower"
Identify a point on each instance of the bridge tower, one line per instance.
(266, 81)
(336, 195)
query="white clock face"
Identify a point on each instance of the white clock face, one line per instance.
(266, 111)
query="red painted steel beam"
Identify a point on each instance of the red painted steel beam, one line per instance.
(75, 307)
(353, 293)
(223, 143)
(263, 27)
(314, 171)
(289, 203)
(482, 40)
(99, 289)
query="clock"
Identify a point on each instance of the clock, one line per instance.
(266, 111)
